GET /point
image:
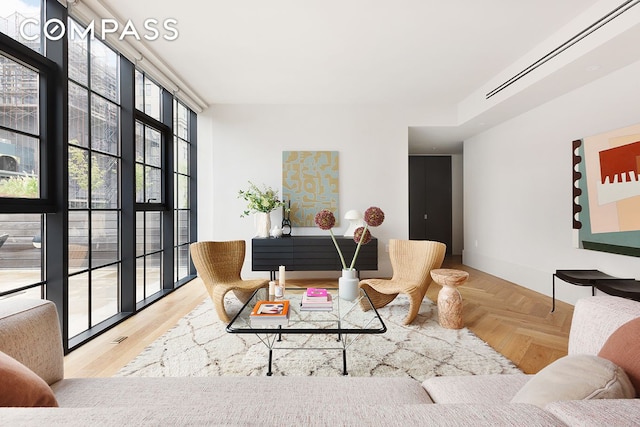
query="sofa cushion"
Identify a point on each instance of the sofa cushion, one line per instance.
(165, 391)
(473, 388)
(576, 377)
(274, 413)
(623, 349)
(20, 386)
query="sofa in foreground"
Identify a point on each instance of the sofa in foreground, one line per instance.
(31, 372)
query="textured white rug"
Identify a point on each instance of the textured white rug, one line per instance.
(199, 346)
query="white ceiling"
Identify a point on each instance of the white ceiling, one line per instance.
(427, 53)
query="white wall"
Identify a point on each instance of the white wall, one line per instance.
(518, 187)
(241, 143)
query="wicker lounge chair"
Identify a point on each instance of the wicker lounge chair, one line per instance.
(412, 262)
(219, 265)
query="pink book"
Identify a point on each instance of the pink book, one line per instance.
(316, 293)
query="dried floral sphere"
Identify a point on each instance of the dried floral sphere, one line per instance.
(325, 219)
(373, 216)
(360, 233)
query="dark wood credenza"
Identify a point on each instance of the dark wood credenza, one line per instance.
(310, 253)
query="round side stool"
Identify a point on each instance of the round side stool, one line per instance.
(449, 298)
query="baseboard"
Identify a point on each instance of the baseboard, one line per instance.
(531, 278)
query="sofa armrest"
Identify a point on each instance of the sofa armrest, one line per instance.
(30, 333)
(596, 318)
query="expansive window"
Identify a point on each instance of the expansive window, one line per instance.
(97, 182)
(183, 133)
(94, 169)
(150, 193)
(24, 132)
(149, 218)
(21, 262)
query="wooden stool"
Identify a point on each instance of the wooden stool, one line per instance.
(449, 298)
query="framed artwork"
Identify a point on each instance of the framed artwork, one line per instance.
(607, 191)
(309, 184)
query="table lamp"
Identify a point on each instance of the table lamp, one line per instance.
(355, 220)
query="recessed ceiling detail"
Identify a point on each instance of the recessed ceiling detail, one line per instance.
(624, 7)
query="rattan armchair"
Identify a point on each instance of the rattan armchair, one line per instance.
(219, 265)
(412, 262)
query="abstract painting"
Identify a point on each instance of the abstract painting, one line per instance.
(608, 178)
(309, 184)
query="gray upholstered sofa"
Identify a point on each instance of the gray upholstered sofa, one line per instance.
(29, 333)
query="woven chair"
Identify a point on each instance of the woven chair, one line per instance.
(412, 262)
(219, 265)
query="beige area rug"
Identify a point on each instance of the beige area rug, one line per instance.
(199, 346)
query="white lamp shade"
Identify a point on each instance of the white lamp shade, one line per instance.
(355, 220)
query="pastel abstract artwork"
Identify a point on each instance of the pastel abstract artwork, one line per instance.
(310, 183)
(609, 180)
(619, 169)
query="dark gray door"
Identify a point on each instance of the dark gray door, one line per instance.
(430, 209)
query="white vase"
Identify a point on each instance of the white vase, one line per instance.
(263, 224)
(348, 285)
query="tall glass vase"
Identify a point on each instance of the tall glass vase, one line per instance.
(348, 285)
(263, 224)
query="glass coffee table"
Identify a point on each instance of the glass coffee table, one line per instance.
(347, 320)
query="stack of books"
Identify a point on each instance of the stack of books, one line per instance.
(316, 299)
(270, 313)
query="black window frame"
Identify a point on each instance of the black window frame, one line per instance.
(48, 75)
(165, 137)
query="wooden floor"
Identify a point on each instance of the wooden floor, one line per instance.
(514, 320)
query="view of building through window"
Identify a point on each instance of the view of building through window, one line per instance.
(12, 16)
(19, 130)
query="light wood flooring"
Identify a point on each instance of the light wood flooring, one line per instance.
(512, 319)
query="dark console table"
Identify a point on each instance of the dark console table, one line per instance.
(625, 288)
(581, 278)
(310, 253)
